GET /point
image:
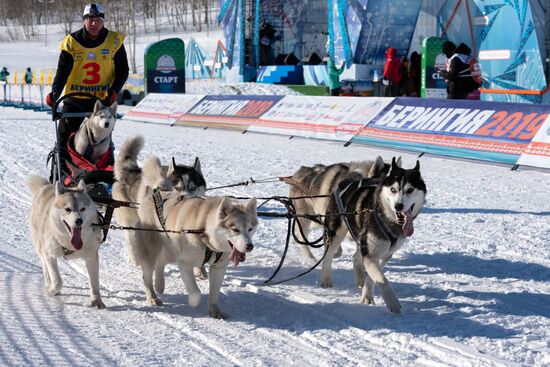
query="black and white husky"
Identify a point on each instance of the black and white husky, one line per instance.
(379, 216)
(320, 180)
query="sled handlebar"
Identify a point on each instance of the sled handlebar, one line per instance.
(57, 114)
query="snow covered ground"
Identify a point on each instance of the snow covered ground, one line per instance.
(474, 280)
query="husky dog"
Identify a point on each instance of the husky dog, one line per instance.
(131, 181)
(187, 180)
(322, 180)
(227, 229)
(93, 138)
(386, 208)
(60, 225)
(130, 178)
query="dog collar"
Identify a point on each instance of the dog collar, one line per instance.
(209, 252)
(67, 252)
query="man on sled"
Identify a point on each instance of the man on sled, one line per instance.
(92, 63)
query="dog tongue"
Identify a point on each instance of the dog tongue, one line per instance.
(76, 238)
(408, 228)
(236, 256)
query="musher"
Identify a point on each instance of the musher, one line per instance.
(92, 60)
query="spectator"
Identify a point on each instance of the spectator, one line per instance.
(334, 77)
(404, 75)
(28, 76)
(4, 74)
(267, 36)
(459, 78)
(391, 77)
(415, 74)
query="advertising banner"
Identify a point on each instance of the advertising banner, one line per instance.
(165, 66)
(468, 129)
(162, 108)
(537, 153)
(333, 118)
(230, 112)
(432, 84)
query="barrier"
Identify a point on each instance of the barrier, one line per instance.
(509, 133)
(537, 153)
(229, 112)
(333, 118)
(162, 108)
(24, 95)
(496, 132)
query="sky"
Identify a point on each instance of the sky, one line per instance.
(473, 280)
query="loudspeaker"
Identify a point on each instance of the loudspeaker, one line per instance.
(291, 59)
(280, 59)
(313, 59)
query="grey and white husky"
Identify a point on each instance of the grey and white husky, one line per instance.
(226, 235)
(386, 208)
(131, 180)
(93, 138)
(60, 224)
(322, 180)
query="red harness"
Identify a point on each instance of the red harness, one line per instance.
(78, 164)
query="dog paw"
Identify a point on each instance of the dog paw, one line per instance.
(200, 273)
(215, 312)
(394, 308)
(367, 300)
(52, 291)
(326, 283)
(97, 303)
(154, 302)
(393, 305)
(194, 299)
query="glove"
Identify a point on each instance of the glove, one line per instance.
(50, 99)
(110, 99)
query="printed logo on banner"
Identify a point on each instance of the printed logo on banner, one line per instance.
(458, 128)
(237, 106)
(513, 122)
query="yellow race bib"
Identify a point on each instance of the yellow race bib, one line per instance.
(93, 69)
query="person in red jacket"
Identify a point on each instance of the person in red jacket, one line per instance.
(391, 78)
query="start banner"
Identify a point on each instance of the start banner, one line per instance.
(495, 132)
(162, 108)
(334, 118)
(228, 112)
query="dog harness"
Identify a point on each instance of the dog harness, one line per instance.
(208, 255)
(159, 208)
(79, 164)
(361, 240)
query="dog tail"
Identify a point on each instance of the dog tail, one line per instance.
(36, 183)
(127, 156)
(154, 174)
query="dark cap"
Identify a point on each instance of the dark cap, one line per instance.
(448, 48)
(93, 11)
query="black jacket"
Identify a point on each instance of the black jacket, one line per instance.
(65, 63)
(458, 76)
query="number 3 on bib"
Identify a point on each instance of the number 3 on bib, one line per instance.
(92, 73)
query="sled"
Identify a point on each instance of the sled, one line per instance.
(98, 176)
